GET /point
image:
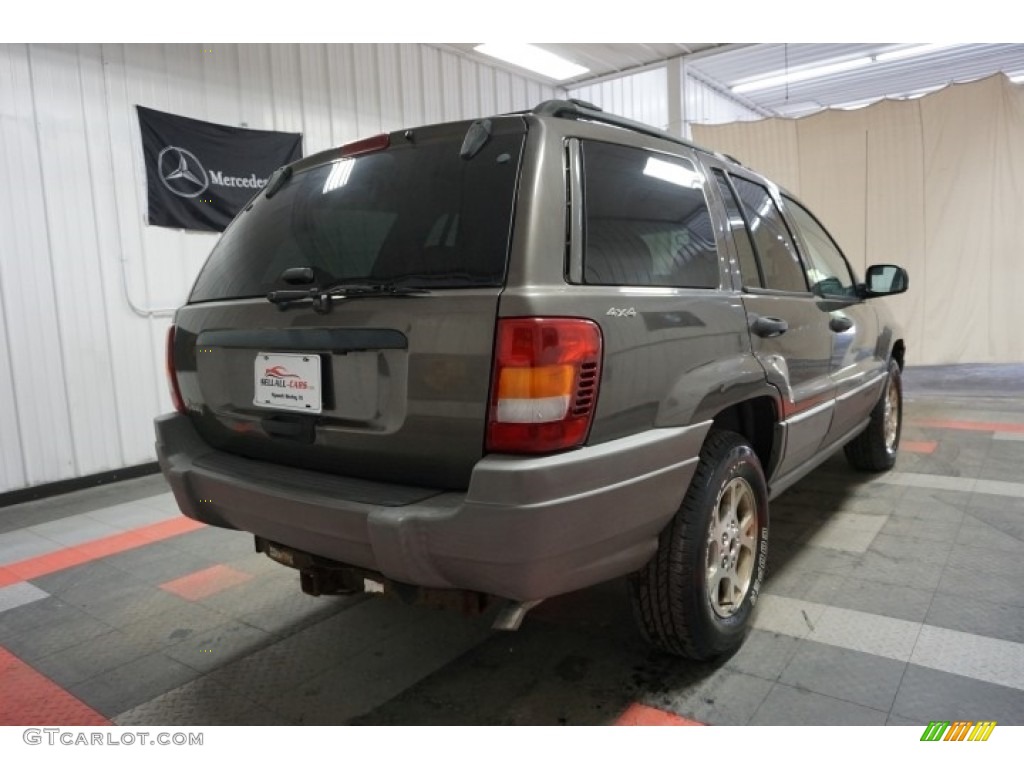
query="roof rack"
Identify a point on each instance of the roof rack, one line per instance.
(578, 109)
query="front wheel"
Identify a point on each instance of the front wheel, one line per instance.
(695, 597)
(874, 449)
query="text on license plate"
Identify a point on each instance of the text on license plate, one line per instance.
(288, 381)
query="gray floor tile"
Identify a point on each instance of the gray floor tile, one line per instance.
(824, 588)
(132, 514)
(215, 543)
(116, 600)
(938, 531)
(852, 676)
(200, 702)
(973, 582)
(928, 694)
(164, 502)
(275, 604)
(218, 646)
(1011, 505)
(993, 534)
(906, 721)
(786, 705)
(1003, 565)
(89, 658)
(902, 573)
(976, 616)
(36, 614)
(368, 678)
(907, 548)
(96, 575)
(77, 529)
(763, 654)
(133, 683)
(23, 544)
(22, 593)
(786, 530)
(963, 653)
(24, 515)
(727, 697)
(1007, 468)
(790, 582)
(877, 506)
(933, 505)
(898, 602)
(806, 557)
(158, 563)
(268, 673)
(166, 620)
(64, 629)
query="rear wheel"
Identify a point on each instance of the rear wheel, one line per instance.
(874, 449)
(695, 597)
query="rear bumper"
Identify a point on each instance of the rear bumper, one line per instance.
(526, 529)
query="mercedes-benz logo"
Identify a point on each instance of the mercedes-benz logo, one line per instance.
(181, 172)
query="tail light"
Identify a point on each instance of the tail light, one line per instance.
(172, 375)
(544, 388)
(364, 146)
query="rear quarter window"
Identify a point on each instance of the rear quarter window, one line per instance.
(647, 220)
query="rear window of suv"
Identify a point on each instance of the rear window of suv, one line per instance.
(415, 214)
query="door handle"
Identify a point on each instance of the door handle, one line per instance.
(769, 327)
(840, 324)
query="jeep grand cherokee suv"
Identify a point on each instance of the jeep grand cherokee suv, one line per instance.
(523, 355)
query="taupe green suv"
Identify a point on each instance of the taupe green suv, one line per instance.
(523, 355)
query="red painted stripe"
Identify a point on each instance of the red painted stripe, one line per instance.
(977, 426)
(208, 581)
(29, 698)
(60, 560)
(638, 714)
(918, 446)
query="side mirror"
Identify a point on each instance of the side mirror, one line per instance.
(885, 280)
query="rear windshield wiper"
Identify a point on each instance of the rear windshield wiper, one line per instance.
(322, 297)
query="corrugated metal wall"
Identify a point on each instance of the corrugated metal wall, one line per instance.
(644, 96)
(81, 356)
(706, 105)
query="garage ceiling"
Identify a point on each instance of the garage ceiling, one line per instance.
(724, 65)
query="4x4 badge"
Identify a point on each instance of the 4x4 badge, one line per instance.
(624, 312)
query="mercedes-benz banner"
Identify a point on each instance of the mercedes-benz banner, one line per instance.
(199, 174)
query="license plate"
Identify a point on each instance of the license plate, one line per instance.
(288, 382)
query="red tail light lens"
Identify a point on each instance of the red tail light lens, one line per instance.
(544, 389)
(172, 376)
(362, 146)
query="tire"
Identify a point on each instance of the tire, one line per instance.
(874, 449)
(676, 610)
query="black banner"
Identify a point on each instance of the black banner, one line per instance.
(199, 174)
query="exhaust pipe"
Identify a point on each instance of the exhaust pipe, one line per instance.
(511, 615)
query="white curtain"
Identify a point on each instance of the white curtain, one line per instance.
(934, 184)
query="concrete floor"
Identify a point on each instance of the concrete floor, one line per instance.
(891, 599)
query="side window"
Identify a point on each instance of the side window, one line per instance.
(646, 220)
(749, 270)
(776, 252)
(827, 270)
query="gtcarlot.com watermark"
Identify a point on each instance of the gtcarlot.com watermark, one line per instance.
(76, 738)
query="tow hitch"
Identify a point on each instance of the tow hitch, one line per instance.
(320, 576)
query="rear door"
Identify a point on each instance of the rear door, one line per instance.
(856, 368)
(389, 384)
(789, 330)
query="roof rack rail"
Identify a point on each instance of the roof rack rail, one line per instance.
(579, 109)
